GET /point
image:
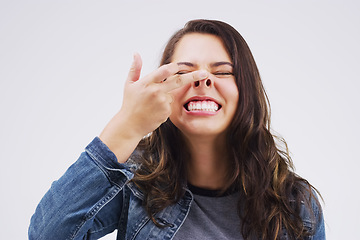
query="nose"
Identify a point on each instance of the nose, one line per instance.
(203, 83)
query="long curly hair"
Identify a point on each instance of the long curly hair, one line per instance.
(262, 169)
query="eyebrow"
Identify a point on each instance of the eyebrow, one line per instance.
(215, 64)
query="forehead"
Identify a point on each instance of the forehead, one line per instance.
(200, 48)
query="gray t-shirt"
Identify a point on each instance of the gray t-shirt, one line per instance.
(211, 217)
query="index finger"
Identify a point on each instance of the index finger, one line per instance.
(163, 72)
(179, 80)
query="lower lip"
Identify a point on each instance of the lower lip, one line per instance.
(201, 113)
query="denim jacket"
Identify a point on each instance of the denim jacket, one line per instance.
(95, 196)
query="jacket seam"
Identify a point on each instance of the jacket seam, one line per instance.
(95, 209)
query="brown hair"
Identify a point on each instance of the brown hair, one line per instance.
(260, 169)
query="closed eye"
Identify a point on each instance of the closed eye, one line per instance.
(182, 72)
(223, 73)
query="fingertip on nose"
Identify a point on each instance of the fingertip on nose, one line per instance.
(203, 74)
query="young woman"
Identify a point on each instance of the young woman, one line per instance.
(210, 169)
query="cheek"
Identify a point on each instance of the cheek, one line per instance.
(235, 94)
(229, 90)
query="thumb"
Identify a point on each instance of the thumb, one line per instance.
(135, 70)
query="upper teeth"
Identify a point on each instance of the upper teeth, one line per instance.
(203, 106)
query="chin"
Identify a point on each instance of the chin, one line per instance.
(201, 131)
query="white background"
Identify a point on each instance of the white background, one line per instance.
(63, 66)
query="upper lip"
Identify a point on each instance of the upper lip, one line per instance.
(201, 98)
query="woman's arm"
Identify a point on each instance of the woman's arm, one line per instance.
(319, 231)
(146, 105)
(85, 202)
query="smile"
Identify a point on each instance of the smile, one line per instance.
(202, 106)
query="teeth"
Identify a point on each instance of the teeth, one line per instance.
(208, 106)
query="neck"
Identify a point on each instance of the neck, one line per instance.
(208, 165)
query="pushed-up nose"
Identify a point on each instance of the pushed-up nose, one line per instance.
(203, 83)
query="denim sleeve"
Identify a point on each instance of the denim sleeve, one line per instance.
(319, 233)
(86, 202)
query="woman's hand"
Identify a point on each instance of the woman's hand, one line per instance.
(146, 105)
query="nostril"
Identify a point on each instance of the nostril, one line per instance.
(197, 83)
(208, 82)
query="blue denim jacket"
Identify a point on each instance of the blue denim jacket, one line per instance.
(94, 197)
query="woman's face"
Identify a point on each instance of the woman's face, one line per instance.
(204, 108)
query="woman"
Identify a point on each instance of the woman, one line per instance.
(210, 169)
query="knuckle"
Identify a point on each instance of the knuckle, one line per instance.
(152, 91)
(161, 98)
(170, 99)
(157, 94)
(178, 80)
(165, 71)
(167, 111)
(194, 77)
(133, 68)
